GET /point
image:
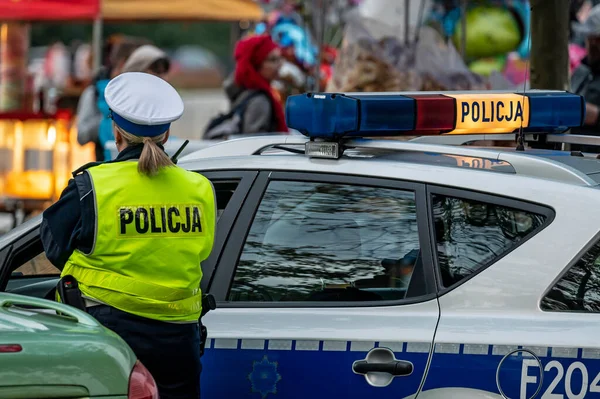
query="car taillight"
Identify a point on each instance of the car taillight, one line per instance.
(10, 348)
(141, 383)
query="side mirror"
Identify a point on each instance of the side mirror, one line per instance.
(16, 274)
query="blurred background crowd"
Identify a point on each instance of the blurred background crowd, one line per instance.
(335, 45)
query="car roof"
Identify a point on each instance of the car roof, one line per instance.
(534, 190)
(588, 166)
(557, 166)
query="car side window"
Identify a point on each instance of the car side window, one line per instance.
(470, 235)
(37, 266)
(578, 290)
(224, 189)
(330, 242)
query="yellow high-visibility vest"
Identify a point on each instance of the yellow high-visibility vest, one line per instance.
(151, 235)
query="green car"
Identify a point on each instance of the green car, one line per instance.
(50, 350)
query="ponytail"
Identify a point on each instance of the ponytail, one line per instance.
(153, 158)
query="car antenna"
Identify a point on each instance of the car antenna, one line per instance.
(174, 157)
(521, 135)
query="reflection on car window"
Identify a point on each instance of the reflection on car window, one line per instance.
(579, 289)
(40, 265)
(470, 235)
(329, 242)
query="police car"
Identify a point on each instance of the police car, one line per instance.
(350, 265)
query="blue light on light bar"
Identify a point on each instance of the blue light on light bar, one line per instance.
(382, 115)
(337, 115)
(333, 116)
(322, 114)
(551, 110)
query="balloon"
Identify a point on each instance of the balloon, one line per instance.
(290, 34)
(486, 66)
(490, 31)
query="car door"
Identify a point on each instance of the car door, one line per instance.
(24, 267)
(325, 288)
(25, 270)
(492, 339)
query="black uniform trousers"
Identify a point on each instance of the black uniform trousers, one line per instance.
(170, 351)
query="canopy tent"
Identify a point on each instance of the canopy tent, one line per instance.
(114, 10)
(48, 10)
(127, 10)
(207, 10)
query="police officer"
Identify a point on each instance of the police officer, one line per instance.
(132, 233)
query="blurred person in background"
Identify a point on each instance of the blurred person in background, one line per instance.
(585, 80)
(57, 65)
(138, 58)
(258, 60)
(92, 111)
(149, 59)
(81, 68)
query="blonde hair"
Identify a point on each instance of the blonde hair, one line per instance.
(153, 158)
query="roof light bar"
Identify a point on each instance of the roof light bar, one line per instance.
(333, 116)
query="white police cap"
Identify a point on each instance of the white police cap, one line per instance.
(143, 104)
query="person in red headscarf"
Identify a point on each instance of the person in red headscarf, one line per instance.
(258, 59)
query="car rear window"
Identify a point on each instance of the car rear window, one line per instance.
(578, 290)
(471, 235)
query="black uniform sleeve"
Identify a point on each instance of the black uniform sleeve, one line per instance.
(68, 224)
(61, 224)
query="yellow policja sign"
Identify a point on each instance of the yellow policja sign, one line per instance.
(490, 113)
